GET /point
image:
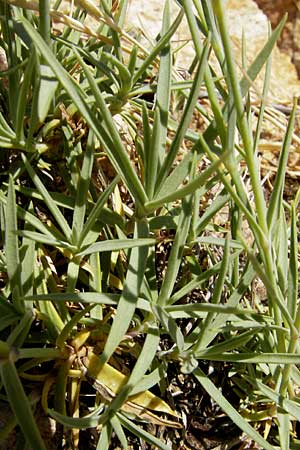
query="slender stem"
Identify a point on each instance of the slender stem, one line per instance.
(252, 162)
(51, 353)
(45, 21)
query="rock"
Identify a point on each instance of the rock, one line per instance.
(241, 15)
(289, 41)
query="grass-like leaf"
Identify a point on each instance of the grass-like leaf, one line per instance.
(20, 405)
(82, 190)
(116, 424)
(47, 88)
(185, 119)
(277, 192)
(138, 431)
(112, 141)
(293, 267)
(128, 300)
(12, 249)
(189, 188)
(90, 421)
(214, 392)
(161, 112)
(117, 244)
(176, 253)
(95, 214)
(59, 217)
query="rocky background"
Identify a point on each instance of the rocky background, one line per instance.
(250, 16)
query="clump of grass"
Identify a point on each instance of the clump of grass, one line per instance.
(94, 192)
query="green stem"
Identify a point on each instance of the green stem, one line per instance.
(49, 353)
(45, 21)
(251, 160)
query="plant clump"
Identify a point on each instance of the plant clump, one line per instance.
(135, 225)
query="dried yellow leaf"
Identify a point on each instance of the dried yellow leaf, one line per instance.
(108, 381)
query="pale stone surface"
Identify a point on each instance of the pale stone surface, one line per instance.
(242, 15)
(147, 16)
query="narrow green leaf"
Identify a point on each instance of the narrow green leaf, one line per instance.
(146, 356)
(45, 21)
(218, 290)
(230, 344)
(197, 282)
(210, 240)
(169, 325)
(45, 239)
(47, 87)
(95, 282)
(128, 300)
(252, 72)
(51, 317)
(175, 257)
(148, 381)
(146, 140)
(19, 332)
(34, 221)
(83, 297)
(277, 192)
(8, 319)
(254, 358)
(72, 274)
(185, 119)
(27, 272)
(124, 73)
(140, 368)
(280, 245)
(179, 174)
(105, 436)
(12, 249)
(264, 100)
(194, 308)
(275, 294)
(90, 421)
(259, 61)
(59, 217)
(87, 297)
(163, 222)
(117, 244)
(164, 40)
(82, 189)
(284, 429)
(44, 354)
(293, 282)
(14, 76)
(291, 406)
(110, 136)
(140, 432)
(20, 405)
(116, 424)
(189, 188)
(66, 332)
(161, 111)
(5, 128)
(219, 121)
(244, 128)
(215, 393)
(95, 213)
(22, 100)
